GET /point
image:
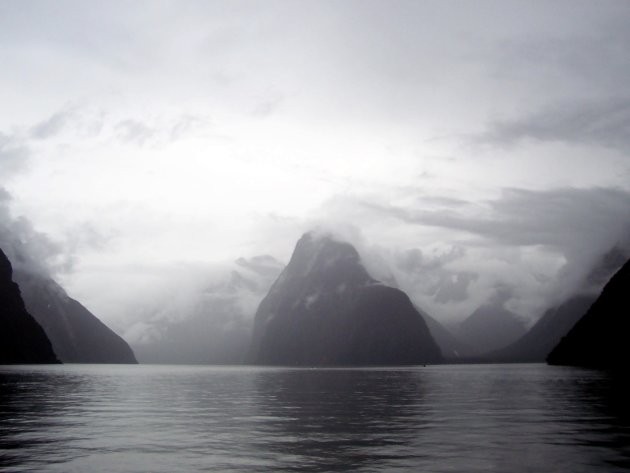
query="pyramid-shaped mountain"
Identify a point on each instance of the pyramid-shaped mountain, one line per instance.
(325, 309)
(492, 326)
(599, 339)
(22, 339)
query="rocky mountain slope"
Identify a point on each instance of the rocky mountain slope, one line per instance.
(77, 335)
(325, 309)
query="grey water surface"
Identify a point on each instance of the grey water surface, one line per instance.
(466, 418)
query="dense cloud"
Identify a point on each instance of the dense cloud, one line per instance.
(173, 312)
(13, 155)
(451, 255)
(27, 249)
(200, 314)
(33, 251)
(53, 125)
(134, 131)
(445, 286)
(190, 135)
(558, 218)
(604, 123)
(564, 233)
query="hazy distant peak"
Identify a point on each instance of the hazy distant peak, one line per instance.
(503, 293)
(238, 282)
(324, 245)
(318, 254)
(492, 325)
(325, 238)
(261, 264)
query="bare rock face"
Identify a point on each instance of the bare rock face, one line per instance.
(325, 309)
(22, 339)
(77, 335)
(599, 338)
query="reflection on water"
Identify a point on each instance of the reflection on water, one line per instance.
(503, 418)
(342, 419)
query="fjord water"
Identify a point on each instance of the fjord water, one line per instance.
(474, 418)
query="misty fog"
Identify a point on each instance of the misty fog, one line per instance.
(466, 152)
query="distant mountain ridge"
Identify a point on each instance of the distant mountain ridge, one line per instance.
(452, 348)
(325, 309)
(22, 339)
(535, 345)
(492, 326)
(215, 325)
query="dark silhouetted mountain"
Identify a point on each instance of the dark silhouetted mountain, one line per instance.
(599, 339)
(451, 347)
(491, 326)
(545, 334)
(77, 336)
(325, 309)
(22, 339)
(215, 325)
(535, 345)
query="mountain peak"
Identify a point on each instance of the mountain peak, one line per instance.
(322, 257)
(326, 309)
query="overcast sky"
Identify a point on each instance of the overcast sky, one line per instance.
(460, 145)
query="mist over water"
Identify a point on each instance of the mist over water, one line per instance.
(503, 418)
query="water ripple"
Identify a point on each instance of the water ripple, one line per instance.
(508, 419)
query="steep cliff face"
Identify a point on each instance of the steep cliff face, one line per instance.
(599, 339)
(77, 336)
(325, 309)
(22, 339)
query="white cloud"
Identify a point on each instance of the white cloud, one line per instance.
(165, 133)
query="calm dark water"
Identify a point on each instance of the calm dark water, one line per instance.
(493, 418)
